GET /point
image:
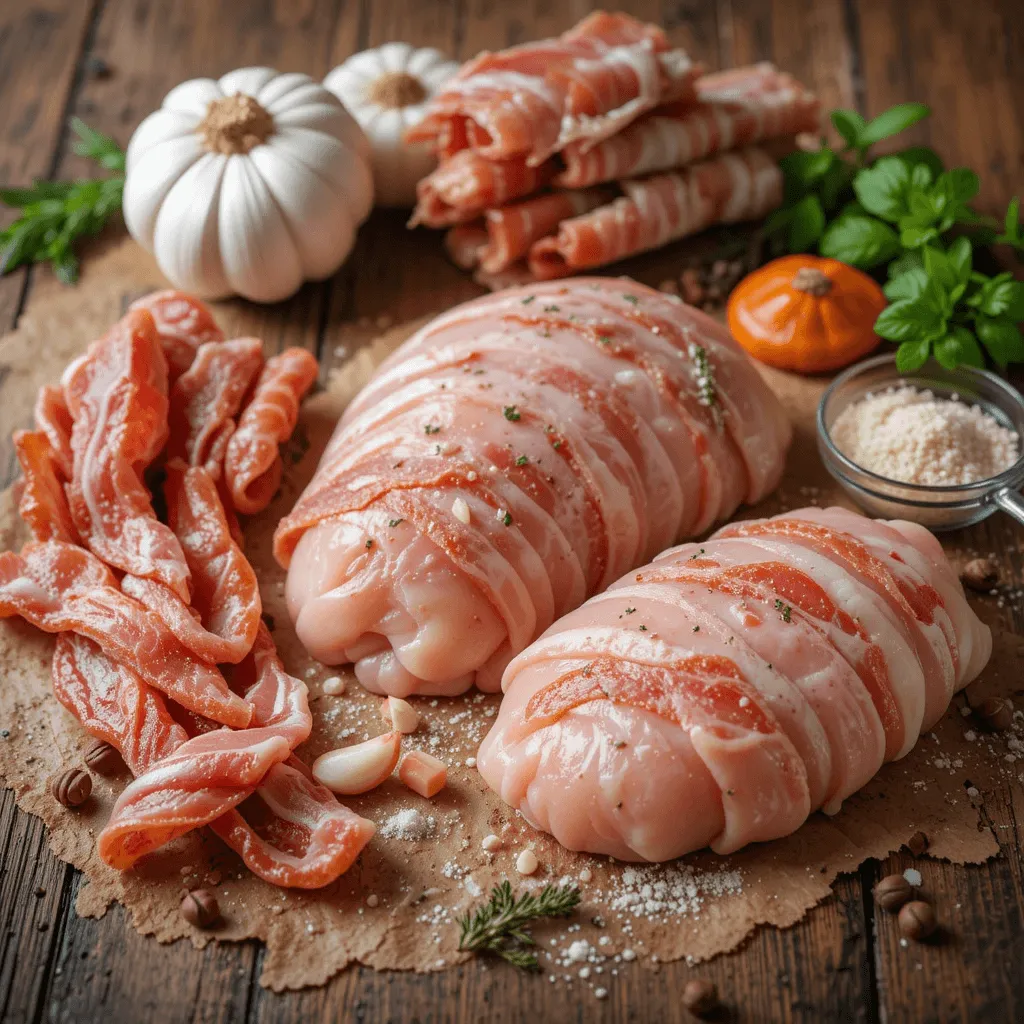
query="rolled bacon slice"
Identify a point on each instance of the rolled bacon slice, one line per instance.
(730, 188)
(515, 455)
(59, 587)
(462, 187)
(42, 502)
(735, 108)
(725, 691)
(507, 234)
(116, 395)
(183, 325)
(533, 99)
(252, 462)
(54, 420)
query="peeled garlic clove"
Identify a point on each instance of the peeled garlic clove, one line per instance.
(400, 714)
(423, 773)
(360, 767)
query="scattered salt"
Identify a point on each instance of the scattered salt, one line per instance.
(913, 876)
(586, 875)
(334, 686)
(491, 843)
(460, 509)
(601, 993)
(372, 900)
(527, 863)
(409, 824)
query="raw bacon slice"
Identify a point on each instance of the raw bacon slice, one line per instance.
(221, 624)
(735, 108)
(42, 503)
(117, 396)
(509, 232)
(533, 99)
(59, 588)
(725, 691)
(206, 397)
(114, 703)
(465, 185)
(252, 463)
(515, 455)
(54, 420)
(183, 324)
(733, 187)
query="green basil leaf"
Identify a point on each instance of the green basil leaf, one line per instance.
(849, 124)
(959, 348)
(911, 284)
(922, 155)
(912, 355)
(860, 241)
(778, 220)
(805, 168)
(1011, 223)
(807, 221)
(892, 121)
(960, 256)
(920, 176)
(910, 260)
(910, 320)
(914, 237)
(882, 188)
(961, 184)
(834, 185)
(1002, 338)
(1000, 296)
(938, 267)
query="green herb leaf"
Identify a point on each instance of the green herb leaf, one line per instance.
(1001, 338)
(960, 257)
(849, 124)
(882, 189)
(1001, 296)
(891, 122)
(911, 284)
(916, 155)
(860, 241)
(1012, 234)
(97, 146)
(912, 355)
(957, 348)
(807, 222)
(910, 320)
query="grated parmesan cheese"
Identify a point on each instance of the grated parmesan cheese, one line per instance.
(910, 435)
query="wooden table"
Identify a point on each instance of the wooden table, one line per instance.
(111, 62)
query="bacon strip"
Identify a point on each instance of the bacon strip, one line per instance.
(59, 588)
(252, 463)
(221, 624)
(736, 108)
(465, 185)
(183, 325)
(42, 503)
(206, 397)
(54, 420)
(532, 100)
(730, 188)
(117, 395)
(508, 233)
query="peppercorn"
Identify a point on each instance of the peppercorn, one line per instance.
(72, 787)
(981, 574)
(102, 757)
(994, 714)
(917, 843)
(892, 892)
(200, 908)
(917, 920)
(700, 997)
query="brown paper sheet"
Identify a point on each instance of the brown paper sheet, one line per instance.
(426, 865)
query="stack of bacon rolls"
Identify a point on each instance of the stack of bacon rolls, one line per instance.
(571, 153)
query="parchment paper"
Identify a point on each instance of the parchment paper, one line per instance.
(694, 908)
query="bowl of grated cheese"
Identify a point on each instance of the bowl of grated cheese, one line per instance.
(943, 448)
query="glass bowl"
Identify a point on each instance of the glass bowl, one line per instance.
(938, 508)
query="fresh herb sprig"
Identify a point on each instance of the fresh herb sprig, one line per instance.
(55, 214)
(499, 927)
(899, 211)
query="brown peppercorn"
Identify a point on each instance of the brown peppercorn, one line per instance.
(892, 892)
(72, 787)
(917, 843)
(102, 757)
(917, 920)
(981, 574)
(200, 908)
(994, 714)
(700, 997)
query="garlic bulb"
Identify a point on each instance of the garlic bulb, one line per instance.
(248, 185)
(387, 90)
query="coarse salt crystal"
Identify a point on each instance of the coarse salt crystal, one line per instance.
(913, 876)
(578, 951)
(334, 686)
(601, 993)
(372, 900)
(628, 955)
(461, 510)
(586, 875)
(491, 843)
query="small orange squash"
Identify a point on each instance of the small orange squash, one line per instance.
(806, 313)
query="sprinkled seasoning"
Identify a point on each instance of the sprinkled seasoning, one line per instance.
(704, 376)
(395, 522)
(522, 460)
(784, 610)
(528, 299)
(552, 309)
(604, 339)
(430, 428)
(511, 413)
(632, 298)
(504, 517)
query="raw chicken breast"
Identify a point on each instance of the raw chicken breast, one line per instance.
(516, 455)
(719, 695)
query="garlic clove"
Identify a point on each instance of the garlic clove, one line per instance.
(423, 773)
(399, 714)
(360, 767)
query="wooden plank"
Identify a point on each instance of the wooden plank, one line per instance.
(40, 42)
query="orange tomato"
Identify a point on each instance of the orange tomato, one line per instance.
(806, 313)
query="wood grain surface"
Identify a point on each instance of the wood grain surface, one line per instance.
(111, 62)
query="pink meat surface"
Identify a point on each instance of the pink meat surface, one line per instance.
(517, 454)
(723, 692)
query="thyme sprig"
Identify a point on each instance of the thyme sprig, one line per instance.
(499, 927)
